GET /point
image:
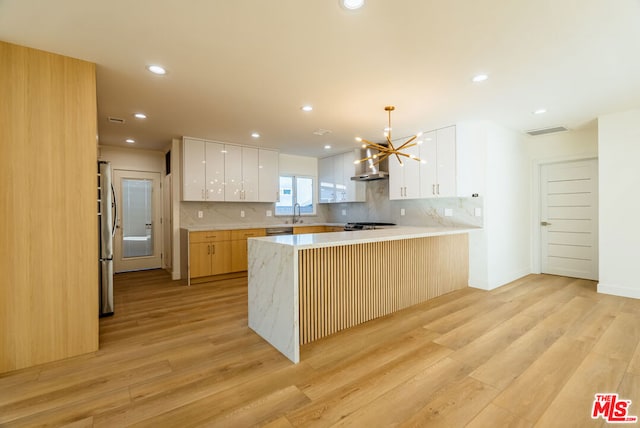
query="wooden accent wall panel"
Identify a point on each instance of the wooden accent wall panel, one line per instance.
(344, 286)
(48, 213)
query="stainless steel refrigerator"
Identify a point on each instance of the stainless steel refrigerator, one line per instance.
(107, 214)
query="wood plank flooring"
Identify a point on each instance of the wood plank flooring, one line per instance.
(532, 353)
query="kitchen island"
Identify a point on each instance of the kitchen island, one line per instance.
(304, 287)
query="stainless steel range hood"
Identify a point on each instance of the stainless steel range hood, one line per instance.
(368, 171)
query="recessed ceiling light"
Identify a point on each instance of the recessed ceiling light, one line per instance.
(480, 78)
(255, 135)
(306, 108)
(140, 115)
(352, 4)
(540, 111)
(130, 140)
(327, 147)
(157, 69)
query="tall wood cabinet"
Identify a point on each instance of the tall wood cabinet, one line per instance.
(48, 214)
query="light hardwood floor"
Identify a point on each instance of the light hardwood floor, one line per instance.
(532, 353)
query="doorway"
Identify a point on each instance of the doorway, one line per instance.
(138, 238)
(569, 219)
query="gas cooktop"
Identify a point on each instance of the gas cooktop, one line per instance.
(367, 225)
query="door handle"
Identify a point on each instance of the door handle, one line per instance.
(545, 223)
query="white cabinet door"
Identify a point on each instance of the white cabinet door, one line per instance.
(446, 156)
(325, 180)
(428, 170)
(396, 179)
(268, 175)
(214, 171)
(338, 178)
(193, 170)
(356, 190)
(411, 174)
(232, 173)
(250, 174)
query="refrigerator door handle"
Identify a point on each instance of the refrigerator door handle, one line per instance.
(114, 203)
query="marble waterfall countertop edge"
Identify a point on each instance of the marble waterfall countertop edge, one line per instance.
(333, 239)
(240, 226)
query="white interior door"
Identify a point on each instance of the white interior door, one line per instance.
(138, 239)
(569, 219)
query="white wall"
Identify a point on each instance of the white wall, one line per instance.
(133, 159)
(298, 165)
(619, 154)
(501, 252)
(579, 144)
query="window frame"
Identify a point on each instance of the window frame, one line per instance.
(294, 197)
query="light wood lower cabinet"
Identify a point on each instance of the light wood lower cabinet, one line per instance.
(217, 252)
(297, 230)
(209, 253)
(239, 261)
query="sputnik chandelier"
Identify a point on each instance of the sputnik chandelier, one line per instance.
(388, 150)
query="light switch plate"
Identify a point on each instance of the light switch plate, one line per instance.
(477, 212)
(242, 213)
(448, 212)
(401, 211)
(200, 214)
(269, 213)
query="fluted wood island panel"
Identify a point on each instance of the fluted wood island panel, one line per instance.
(340, 287)
(304, 287)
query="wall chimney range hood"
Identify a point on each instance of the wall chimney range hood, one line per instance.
(367, 171)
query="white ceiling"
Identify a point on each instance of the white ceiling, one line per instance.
(239, 66)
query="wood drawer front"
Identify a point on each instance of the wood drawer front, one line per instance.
(210, 236)
(246, 233)
(309, 229)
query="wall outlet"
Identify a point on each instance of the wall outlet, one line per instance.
(269, 213)
(477, 212)
(448, 212)
(344, 212)
(242, 213)
(401, 211)
(200, 214)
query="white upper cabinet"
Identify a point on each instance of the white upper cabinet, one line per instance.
(214, 171)
(193, 170)
(325, 181)
(355, 190)
(334, 177)
(404, 180)
(268, 175)
(438, 174)
(233, 174)
(202, 171)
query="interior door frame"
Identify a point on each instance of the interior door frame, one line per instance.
(158, 216)
(536, 204)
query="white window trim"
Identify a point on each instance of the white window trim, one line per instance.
(295, 193)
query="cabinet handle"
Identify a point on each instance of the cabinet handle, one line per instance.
(433, 189)
(214, 249)
(208, 250)
(438, 188)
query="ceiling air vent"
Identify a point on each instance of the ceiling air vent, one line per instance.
(116, 120)
(543, 131)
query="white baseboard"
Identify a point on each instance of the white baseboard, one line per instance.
(618, 290)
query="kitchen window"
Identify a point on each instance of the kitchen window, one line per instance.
(296, 189)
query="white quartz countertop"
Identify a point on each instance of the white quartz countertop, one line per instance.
(253, 226)
(332, 239)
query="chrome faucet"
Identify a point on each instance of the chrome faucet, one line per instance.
(294, 220)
